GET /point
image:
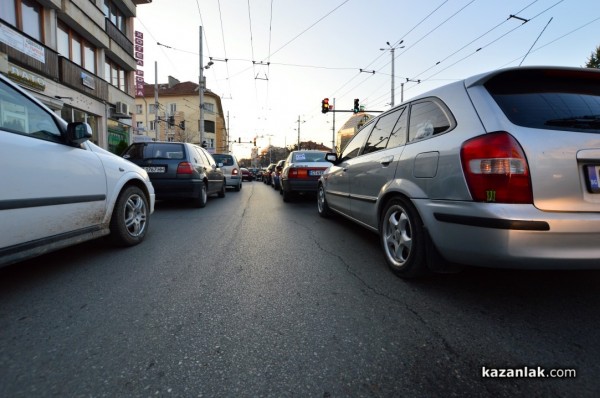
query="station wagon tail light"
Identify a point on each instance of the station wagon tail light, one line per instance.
(496, 169)
(235, 172)
(185, 168)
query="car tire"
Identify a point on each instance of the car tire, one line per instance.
(130, 217)
(238, 187)
(222, 191)
(201, 200)
(402, 238)
(322, 206)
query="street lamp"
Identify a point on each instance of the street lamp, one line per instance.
(392, 49)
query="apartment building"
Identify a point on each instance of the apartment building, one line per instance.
(177, 116)
(77, 57)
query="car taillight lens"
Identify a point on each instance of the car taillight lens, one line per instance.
(496, 169)
(185, 168)
(235, 172)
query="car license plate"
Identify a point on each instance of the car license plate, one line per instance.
(155, 169)
(593, 173)
(315, 172)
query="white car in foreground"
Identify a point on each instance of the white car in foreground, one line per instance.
(58, 188)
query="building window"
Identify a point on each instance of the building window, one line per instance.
(172, 108)
(115, 75)
(72, 46)
(25, 15)
(152, 125)
(152, 108)
(114, 14)
(209, 126)
(139, 109)
(208, 107)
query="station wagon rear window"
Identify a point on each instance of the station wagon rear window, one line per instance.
(155, 151)
(554, 100)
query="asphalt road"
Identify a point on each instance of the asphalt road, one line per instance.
(253, 297)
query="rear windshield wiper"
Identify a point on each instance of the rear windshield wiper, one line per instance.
(581, 122)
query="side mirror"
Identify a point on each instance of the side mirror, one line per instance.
(331, 157)
(78, 132)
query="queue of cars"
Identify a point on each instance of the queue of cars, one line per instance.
(497, 170)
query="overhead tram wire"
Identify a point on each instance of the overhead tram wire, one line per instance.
(555, 40)
(252, 53)
(224, 48)
(479, 49)
(474, 40)
(402, 38)
(493, 41)
(427, 34)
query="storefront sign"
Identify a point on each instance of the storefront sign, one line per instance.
(26, 78)
(19, 42)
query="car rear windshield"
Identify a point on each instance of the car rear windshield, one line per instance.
(549, 99)
(155, 151)
(225, 160)
(309, 157)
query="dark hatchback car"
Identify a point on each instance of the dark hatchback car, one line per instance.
(178, 170)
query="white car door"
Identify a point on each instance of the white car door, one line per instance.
(49, 190)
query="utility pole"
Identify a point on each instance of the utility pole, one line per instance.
(201, 91)
(333, 134)
(392, 49)
(298, 132)
(155, 101)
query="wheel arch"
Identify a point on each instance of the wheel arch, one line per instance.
(125, 182)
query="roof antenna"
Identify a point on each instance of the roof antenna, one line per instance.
(536, 41)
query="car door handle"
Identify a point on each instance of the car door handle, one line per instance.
(386, 160)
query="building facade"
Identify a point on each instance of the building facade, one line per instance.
(174, 115)
(350, 128)
(77, 57)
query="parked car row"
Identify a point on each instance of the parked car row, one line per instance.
(66, 190)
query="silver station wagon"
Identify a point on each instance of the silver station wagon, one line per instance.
(498, 170)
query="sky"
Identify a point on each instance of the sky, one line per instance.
(274, 61)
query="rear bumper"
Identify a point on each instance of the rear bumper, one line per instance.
(482, 234)
(296, 185)
(176, 189)
(232, 181)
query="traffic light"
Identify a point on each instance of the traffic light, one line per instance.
(182, 124)
(325, 105)
(239, 140)
(356, 108)
(254, 142)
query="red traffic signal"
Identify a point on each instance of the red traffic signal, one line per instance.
(325, 105)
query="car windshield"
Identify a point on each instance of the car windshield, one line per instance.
(309, 157)
(154, 151)
(225, 160)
